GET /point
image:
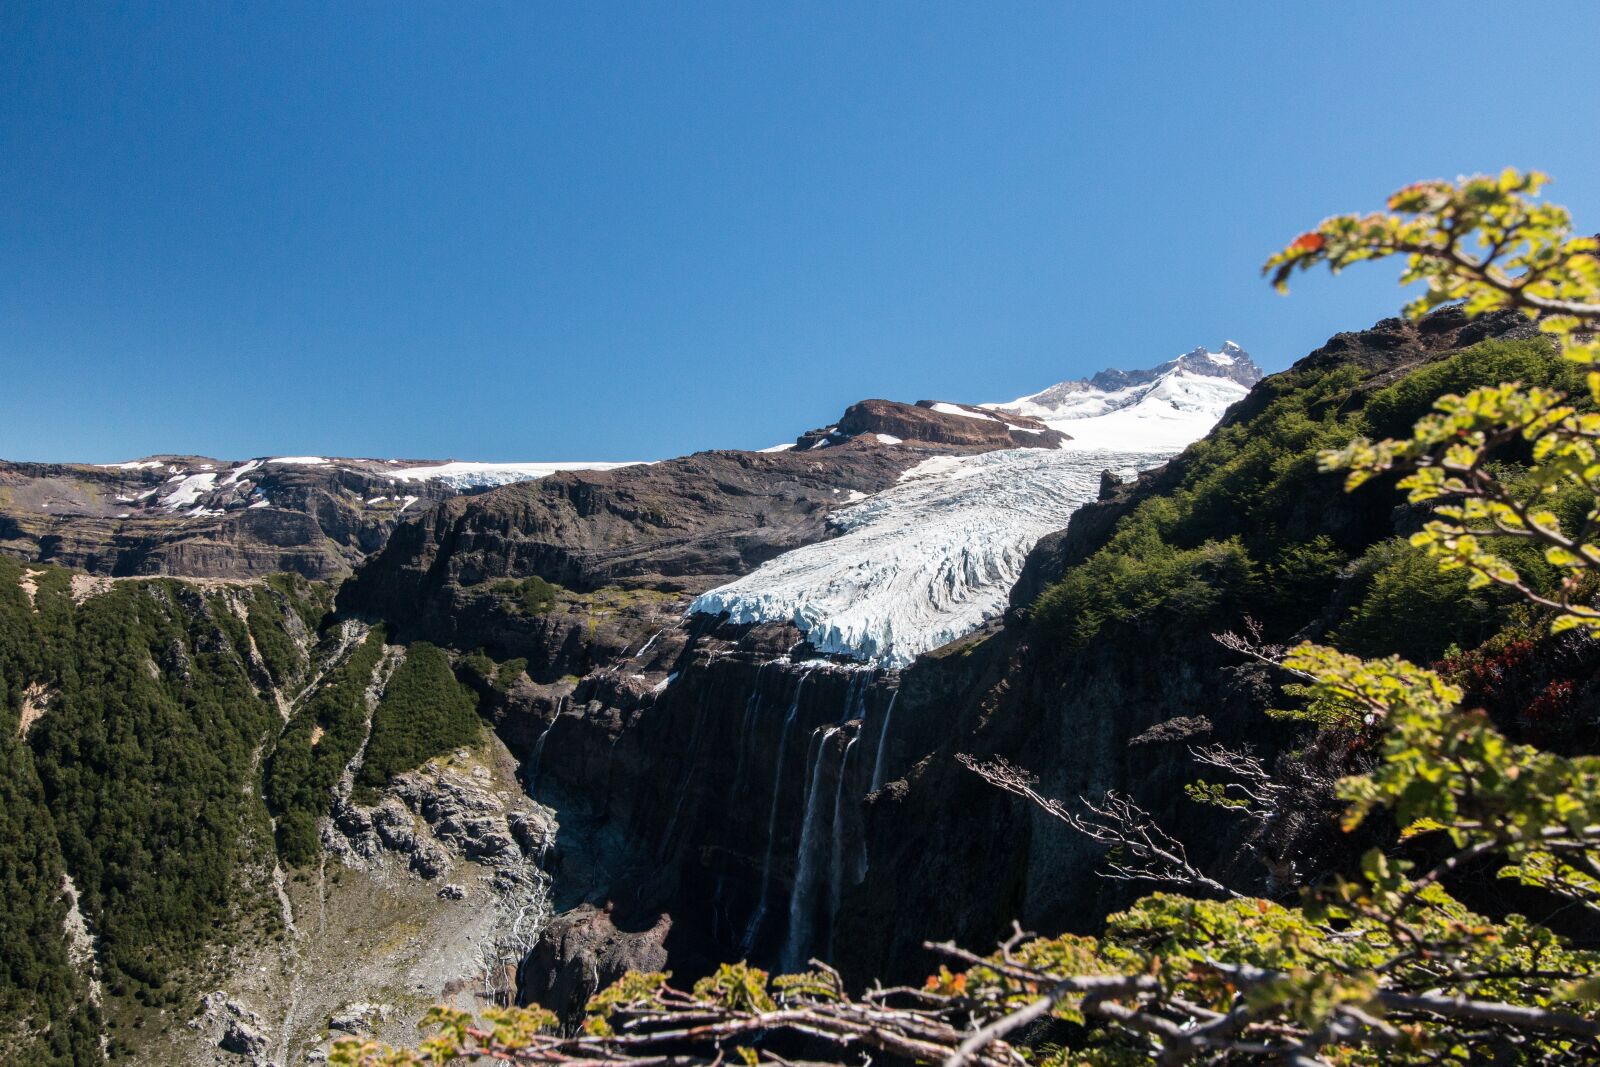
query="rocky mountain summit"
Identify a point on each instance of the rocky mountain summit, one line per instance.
(1118, 388)
(932, 423)
(1165, 406)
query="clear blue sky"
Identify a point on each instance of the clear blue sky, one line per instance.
(605, 231)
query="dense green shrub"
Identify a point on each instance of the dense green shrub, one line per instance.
(283, 657)
(1407, 607)
(482, 671)
(424, 711)
(532, 595)
(1247, 517)
(1392, 410)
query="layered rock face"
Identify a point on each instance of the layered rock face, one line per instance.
(191, 516)
(195, 517)
(930, 422)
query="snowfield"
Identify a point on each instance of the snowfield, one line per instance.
(932, 558)
(927, 560)
(465, 475)
(1178, 405)
(1170, 415)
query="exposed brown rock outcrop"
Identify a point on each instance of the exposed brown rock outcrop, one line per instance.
(920, 424)
(582, 952)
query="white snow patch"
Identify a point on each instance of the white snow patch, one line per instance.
(926, 560)
(240, 471)
(889, 439)
(132, 465)
(299, 461)
(188, 490)
(781, 448)
(1176, 411)
(406, 502)
(954, 409)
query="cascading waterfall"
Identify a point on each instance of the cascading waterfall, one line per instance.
(883, 744)
(836, 863)
(747, 730)
(646, 646)
(536, 760)
(772, 816)
(802, 901)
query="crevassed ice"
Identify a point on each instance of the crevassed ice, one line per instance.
(932, 558)
(927, 560)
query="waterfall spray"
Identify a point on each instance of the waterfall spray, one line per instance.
(802, 901)
(772, 817)
(835, 862)
(883, 743)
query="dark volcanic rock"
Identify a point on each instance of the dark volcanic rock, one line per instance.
(920, 424)
(582, 952)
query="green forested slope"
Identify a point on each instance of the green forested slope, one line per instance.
(1252, 521)
(137, 776)
(143, 754)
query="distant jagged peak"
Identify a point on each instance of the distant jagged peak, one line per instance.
(1231, 362)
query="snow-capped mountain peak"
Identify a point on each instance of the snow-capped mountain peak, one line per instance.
(932, 557)
(1163, 407)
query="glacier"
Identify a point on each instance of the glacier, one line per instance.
(926, 560)
(934, 556)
